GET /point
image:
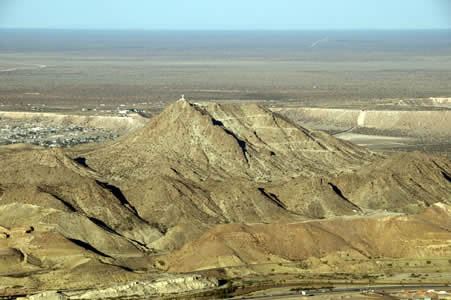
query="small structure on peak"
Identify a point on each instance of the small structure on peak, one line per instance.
(182, 97)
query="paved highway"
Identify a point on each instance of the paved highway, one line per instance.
(317, 292)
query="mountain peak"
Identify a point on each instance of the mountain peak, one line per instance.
(223, 140)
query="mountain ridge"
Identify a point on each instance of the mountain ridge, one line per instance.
(237, 184)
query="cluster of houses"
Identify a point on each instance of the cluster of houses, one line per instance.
(15, 132)
(420, 294)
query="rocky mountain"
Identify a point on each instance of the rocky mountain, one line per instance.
(217, 141)
(236, 184)
(404, 182)
(217, 163)
(337, 239)
(211, 164)
(50, 179)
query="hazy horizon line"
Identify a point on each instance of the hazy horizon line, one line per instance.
(225, 29)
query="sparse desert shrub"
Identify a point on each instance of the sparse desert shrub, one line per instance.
(161, 262)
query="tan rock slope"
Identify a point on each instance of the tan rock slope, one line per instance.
(403, 182)
(191, 172)
(357, 237)
(214, 163)
(50, 179)
(213, 141)
(211, 163)
(58, 221)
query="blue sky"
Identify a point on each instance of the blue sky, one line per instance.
(226, 14)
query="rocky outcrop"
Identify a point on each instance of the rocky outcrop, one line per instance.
(355, 237)
(228, 184)
(213, 163)
(142, 289)
(213, 141)
(404, 182)
(50, 179)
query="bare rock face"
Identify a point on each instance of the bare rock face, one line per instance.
(358, 237)
(50, 179)
(167, 284)
(212, 163)
(57, 250)
(231, 184)
(204, 164)
(10, 258)
(69, 228)
(58, 220)
(314, 197)
(404, 182)
(51, 295)
(140, 289)
(213, 141)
